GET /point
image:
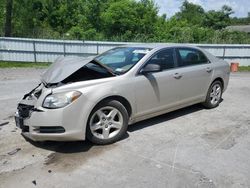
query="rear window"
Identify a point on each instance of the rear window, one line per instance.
(189, 56)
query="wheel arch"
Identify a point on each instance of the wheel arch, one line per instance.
(219, 79)
(120, 99)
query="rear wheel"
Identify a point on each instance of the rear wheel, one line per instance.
(107, 123)
(214, 95)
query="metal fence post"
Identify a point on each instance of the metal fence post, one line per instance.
(97, 48)
(224, 52)
(83, 45)
(34, 50)
(64, 48)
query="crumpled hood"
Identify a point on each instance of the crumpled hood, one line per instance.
(64, 67)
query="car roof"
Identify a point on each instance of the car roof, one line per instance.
(158, 46)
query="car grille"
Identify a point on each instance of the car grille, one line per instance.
(55, 129)
(24, 110)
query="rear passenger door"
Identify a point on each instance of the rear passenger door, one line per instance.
(195, 72)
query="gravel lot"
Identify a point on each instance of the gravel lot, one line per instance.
(192, 147)
(13, 85)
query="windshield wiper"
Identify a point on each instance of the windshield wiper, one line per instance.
(105, 67)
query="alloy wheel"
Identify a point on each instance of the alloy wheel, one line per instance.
(106, 122)
(215, 94)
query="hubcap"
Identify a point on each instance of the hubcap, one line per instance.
(215, 94)
(106, 122)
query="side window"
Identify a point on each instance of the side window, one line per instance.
(164, 58)
(189, 56)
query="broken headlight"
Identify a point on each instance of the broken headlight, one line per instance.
(59, 100)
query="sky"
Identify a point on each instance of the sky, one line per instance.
(170, 7)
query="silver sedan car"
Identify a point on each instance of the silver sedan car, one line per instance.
(96, 98)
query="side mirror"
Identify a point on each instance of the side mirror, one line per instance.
(151, 68)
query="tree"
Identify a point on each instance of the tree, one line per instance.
(192, 13)
(119, 18)
(130, 18)
(26, 17)
(8, 20)
(218, 19)
(94, 11)
(2, 16)
(227, 11)
(248, 18)
(146, 17)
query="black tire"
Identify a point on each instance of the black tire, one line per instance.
(208, 102)
(122, 131)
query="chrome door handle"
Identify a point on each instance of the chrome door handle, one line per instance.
(177, 75)
(209, 69)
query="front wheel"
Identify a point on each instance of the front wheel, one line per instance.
(107, 123)
(214, 95)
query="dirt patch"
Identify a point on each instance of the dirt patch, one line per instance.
(226, 138)
(220, 138)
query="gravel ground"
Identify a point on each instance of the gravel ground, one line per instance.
(14, 83)
(191, 147)
(8, 74)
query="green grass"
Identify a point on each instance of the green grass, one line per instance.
(4, 64)
(244, 68)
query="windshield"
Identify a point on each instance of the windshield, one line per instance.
(121, 59)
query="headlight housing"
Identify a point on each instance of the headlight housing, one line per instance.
(60, 100)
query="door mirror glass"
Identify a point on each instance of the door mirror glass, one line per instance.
(151, 68)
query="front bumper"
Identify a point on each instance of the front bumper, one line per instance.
(69, 136)
(63, 124)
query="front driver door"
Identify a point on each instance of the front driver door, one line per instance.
(157, 91)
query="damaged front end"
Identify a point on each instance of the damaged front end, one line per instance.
(74, 69)
(28, 105)
(42, 116)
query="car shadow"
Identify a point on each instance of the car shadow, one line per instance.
(165, 117)
(63, 147)
(68, 146)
